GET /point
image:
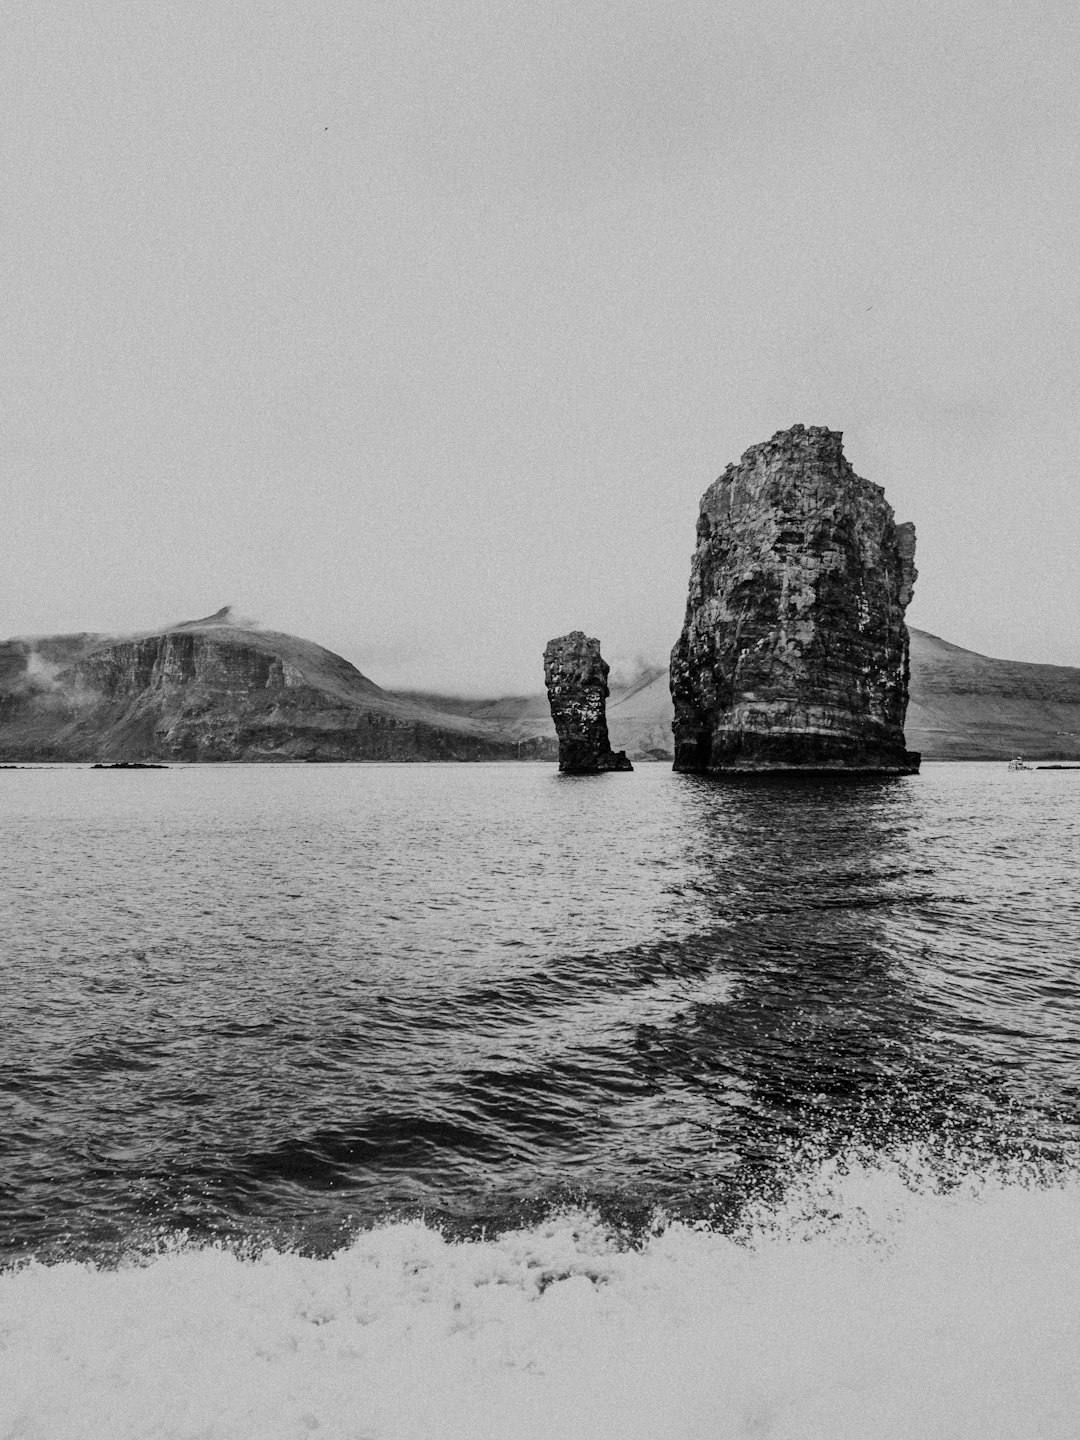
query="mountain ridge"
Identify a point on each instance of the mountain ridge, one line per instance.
(212, 689)
(218, 688)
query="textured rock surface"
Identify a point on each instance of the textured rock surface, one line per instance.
(214, 690)
(576, 677)
(794, 652)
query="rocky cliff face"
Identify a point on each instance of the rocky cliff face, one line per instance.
(794, 652)
(214, 690)
(576, 678)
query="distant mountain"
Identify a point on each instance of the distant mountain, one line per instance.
(638, 715)
(219, 689)
(966, 706)
(515, 717)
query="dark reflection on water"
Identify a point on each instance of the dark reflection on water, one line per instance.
(824, 1034)
(277, 1003)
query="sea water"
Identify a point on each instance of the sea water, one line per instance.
(478, 1101)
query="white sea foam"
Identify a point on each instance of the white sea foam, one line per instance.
(868, 1304)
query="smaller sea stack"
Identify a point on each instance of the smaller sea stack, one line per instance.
(576, 677)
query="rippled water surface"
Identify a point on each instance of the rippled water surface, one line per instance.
(282, 1001)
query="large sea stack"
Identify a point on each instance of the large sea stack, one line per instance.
(794, 652)
(576, 677)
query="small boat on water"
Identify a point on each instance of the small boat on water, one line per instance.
(1019, 763)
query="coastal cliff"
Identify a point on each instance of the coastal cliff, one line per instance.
(576, 676)
(794, 650)
(213, 689)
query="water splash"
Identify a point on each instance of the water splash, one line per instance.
(875, 1299)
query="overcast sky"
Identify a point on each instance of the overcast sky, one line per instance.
(418, 329)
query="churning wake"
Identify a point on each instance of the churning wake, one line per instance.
(872, 1301)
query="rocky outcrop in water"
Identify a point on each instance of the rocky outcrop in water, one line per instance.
(576, 677)
(794, 651)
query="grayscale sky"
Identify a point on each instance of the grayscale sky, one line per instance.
(419, 328)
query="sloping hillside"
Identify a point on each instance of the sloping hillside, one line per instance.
(515, 717)
(639, 717)
(213, 689)
(966, 706)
